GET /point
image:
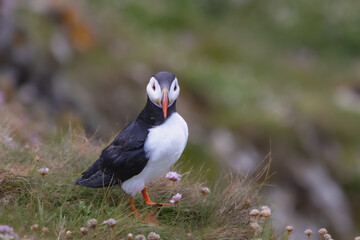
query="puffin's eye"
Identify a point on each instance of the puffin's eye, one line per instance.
(153, 87)
(175, 87)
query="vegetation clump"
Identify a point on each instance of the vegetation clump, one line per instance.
(33, 198)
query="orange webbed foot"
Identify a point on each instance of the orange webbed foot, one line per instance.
(148, 201)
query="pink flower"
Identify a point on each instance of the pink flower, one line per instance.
(7, 232)
(110, 222)
(176, 198)
(5, 229)
(43, 171)
(173, 176)
(92, 223)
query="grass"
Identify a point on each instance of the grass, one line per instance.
(52, 201)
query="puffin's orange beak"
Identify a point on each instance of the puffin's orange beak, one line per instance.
(165, 101)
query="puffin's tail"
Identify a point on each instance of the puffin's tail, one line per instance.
(95, 178)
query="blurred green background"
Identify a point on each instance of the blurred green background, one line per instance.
(255, 76)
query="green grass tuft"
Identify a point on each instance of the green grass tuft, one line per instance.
(53, 201)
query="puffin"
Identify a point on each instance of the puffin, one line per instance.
(146, 148)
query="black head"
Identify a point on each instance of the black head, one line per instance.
(163, 90)
(164, 79)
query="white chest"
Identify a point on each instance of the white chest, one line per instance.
(163, 146)
(165, 143)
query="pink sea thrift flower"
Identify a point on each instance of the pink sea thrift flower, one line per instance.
(265, 212)
(110, 222)
(92, 223)
(153, 236)
(140, 237)
(308, 232)
(5, 229)
(84, 230)
(7, 232)
(43, 171)
(176, 198)
(173, 176)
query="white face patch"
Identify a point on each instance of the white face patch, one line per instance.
(154, 91)
(174, 91)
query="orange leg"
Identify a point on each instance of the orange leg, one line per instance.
(151, 219)
(148, 201)
(133, 208)
(146, 197)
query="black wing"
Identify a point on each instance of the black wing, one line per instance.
(122, 159)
